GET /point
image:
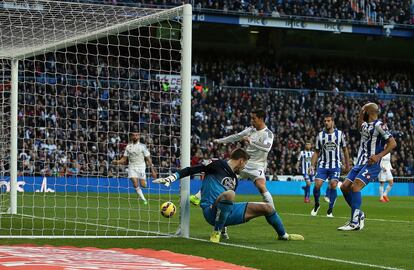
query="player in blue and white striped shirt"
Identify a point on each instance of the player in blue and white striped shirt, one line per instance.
(374, 137)
(329, 143)
(304, 160)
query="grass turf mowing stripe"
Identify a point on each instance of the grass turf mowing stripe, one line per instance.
(157, 234)
(303, 255)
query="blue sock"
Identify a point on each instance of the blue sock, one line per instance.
(356, 202)
(224, 209)
(328, 192)
(274, 220)
(348, 197)
(307, 192)
(316, 194)
(332, 197)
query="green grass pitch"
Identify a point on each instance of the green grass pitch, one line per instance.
(387, 241)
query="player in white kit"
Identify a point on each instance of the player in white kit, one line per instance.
(385, 175)
(259, 141)
(137, 156)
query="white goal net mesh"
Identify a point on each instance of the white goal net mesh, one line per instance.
(89, 76)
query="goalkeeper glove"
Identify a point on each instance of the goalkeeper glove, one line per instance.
(167, 180)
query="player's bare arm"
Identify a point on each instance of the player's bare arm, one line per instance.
(361, 116)
(298, 163)
(347, 166)
(314, 160)
(122, 161)
(148, 160)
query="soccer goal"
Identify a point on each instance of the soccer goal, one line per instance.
(76, 80)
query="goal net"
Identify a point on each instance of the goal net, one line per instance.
(76, 80)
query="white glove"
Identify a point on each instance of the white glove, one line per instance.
(166, 180)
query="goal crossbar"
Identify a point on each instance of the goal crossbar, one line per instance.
(65, 39)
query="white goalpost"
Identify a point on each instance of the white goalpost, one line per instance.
(75, 81)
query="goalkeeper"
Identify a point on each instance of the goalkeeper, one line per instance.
(217, 196)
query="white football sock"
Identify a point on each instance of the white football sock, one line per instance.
(381, 191)
(198, 194)
(140, 194)
(267, 197)
(387, 190)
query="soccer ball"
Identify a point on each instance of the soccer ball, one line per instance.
(168, 209)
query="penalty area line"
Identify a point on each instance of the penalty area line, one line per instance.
(302, 255)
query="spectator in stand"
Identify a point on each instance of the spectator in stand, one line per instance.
(293, 121)
(77, 127)
(297, 73)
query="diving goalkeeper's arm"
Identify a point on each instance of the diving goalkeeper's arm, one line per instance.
(181, 174)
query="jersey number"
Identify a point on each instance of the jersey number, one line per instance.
(364, 174)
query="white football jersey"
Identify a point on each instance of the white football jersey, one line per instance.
(136, 153)
(261, 142)
(386, 162)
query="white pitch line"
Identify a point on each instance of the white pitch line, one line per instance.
(160, 234)
(371, 219)
(246, 247)
(303, 255)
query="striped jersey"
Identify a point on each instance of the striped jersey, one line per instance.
(260, 144)
(374, 136)
(329, 146)
(305, 158)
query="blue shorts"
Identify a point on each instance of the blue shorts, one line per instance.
(364, 172)
(331, 174)
(308, 177)
(236, 216)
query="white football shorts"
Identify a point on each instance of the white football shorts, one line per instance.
(385, 175)
(136, 173)
(252, 172)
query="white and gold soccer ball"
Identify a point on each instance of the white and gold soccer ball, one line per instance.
(168, 209)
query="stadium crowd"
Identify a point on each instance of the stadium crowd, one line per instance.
(77, 124)
(361, 11)
(72, 129)
(295, 118)
(74, 114)
(297, 73)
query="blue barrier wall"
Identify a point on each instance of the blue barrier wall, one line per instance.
(295, 188)
(123, 185)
